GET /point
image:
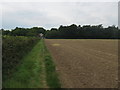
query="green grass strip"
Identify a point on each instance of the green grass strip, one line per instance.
(37, 68)
(51, 74)
(29, 74)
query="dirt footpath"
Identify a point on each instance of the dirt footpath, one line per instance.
(85, 63)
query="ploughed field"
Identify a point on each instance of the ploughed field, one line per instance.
(85, 63)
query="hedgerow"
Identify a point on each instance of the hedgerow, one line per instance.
(14, 48)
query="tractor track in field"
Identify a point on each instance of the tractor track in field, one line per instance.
(85, 63)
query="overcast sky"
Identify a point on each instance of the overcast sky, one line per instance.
(54, 14)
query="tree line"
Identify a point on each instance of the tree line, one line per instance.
(34, 31)
(69, 32)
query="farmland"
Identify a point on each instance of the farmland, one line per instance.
(85, 63)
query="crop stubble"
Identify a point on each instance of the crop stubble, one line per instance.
(85, 63)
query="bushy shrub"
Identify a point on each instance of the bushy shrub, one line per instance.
(14, 48)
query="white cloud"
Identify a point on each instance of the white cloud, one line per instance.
(53, 14)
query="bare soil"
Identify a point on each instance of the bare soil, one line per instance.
(85, 63)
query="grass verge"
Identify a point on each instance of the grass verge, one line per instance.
(36, 69)
(51, 74)
(29, 72)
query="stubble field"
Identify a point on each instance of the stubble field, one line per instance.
(85, 63)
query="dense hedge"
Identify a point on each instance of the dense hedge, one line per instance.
(13, 50)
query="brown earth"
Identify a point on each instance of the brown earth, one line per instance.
(85, 63)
